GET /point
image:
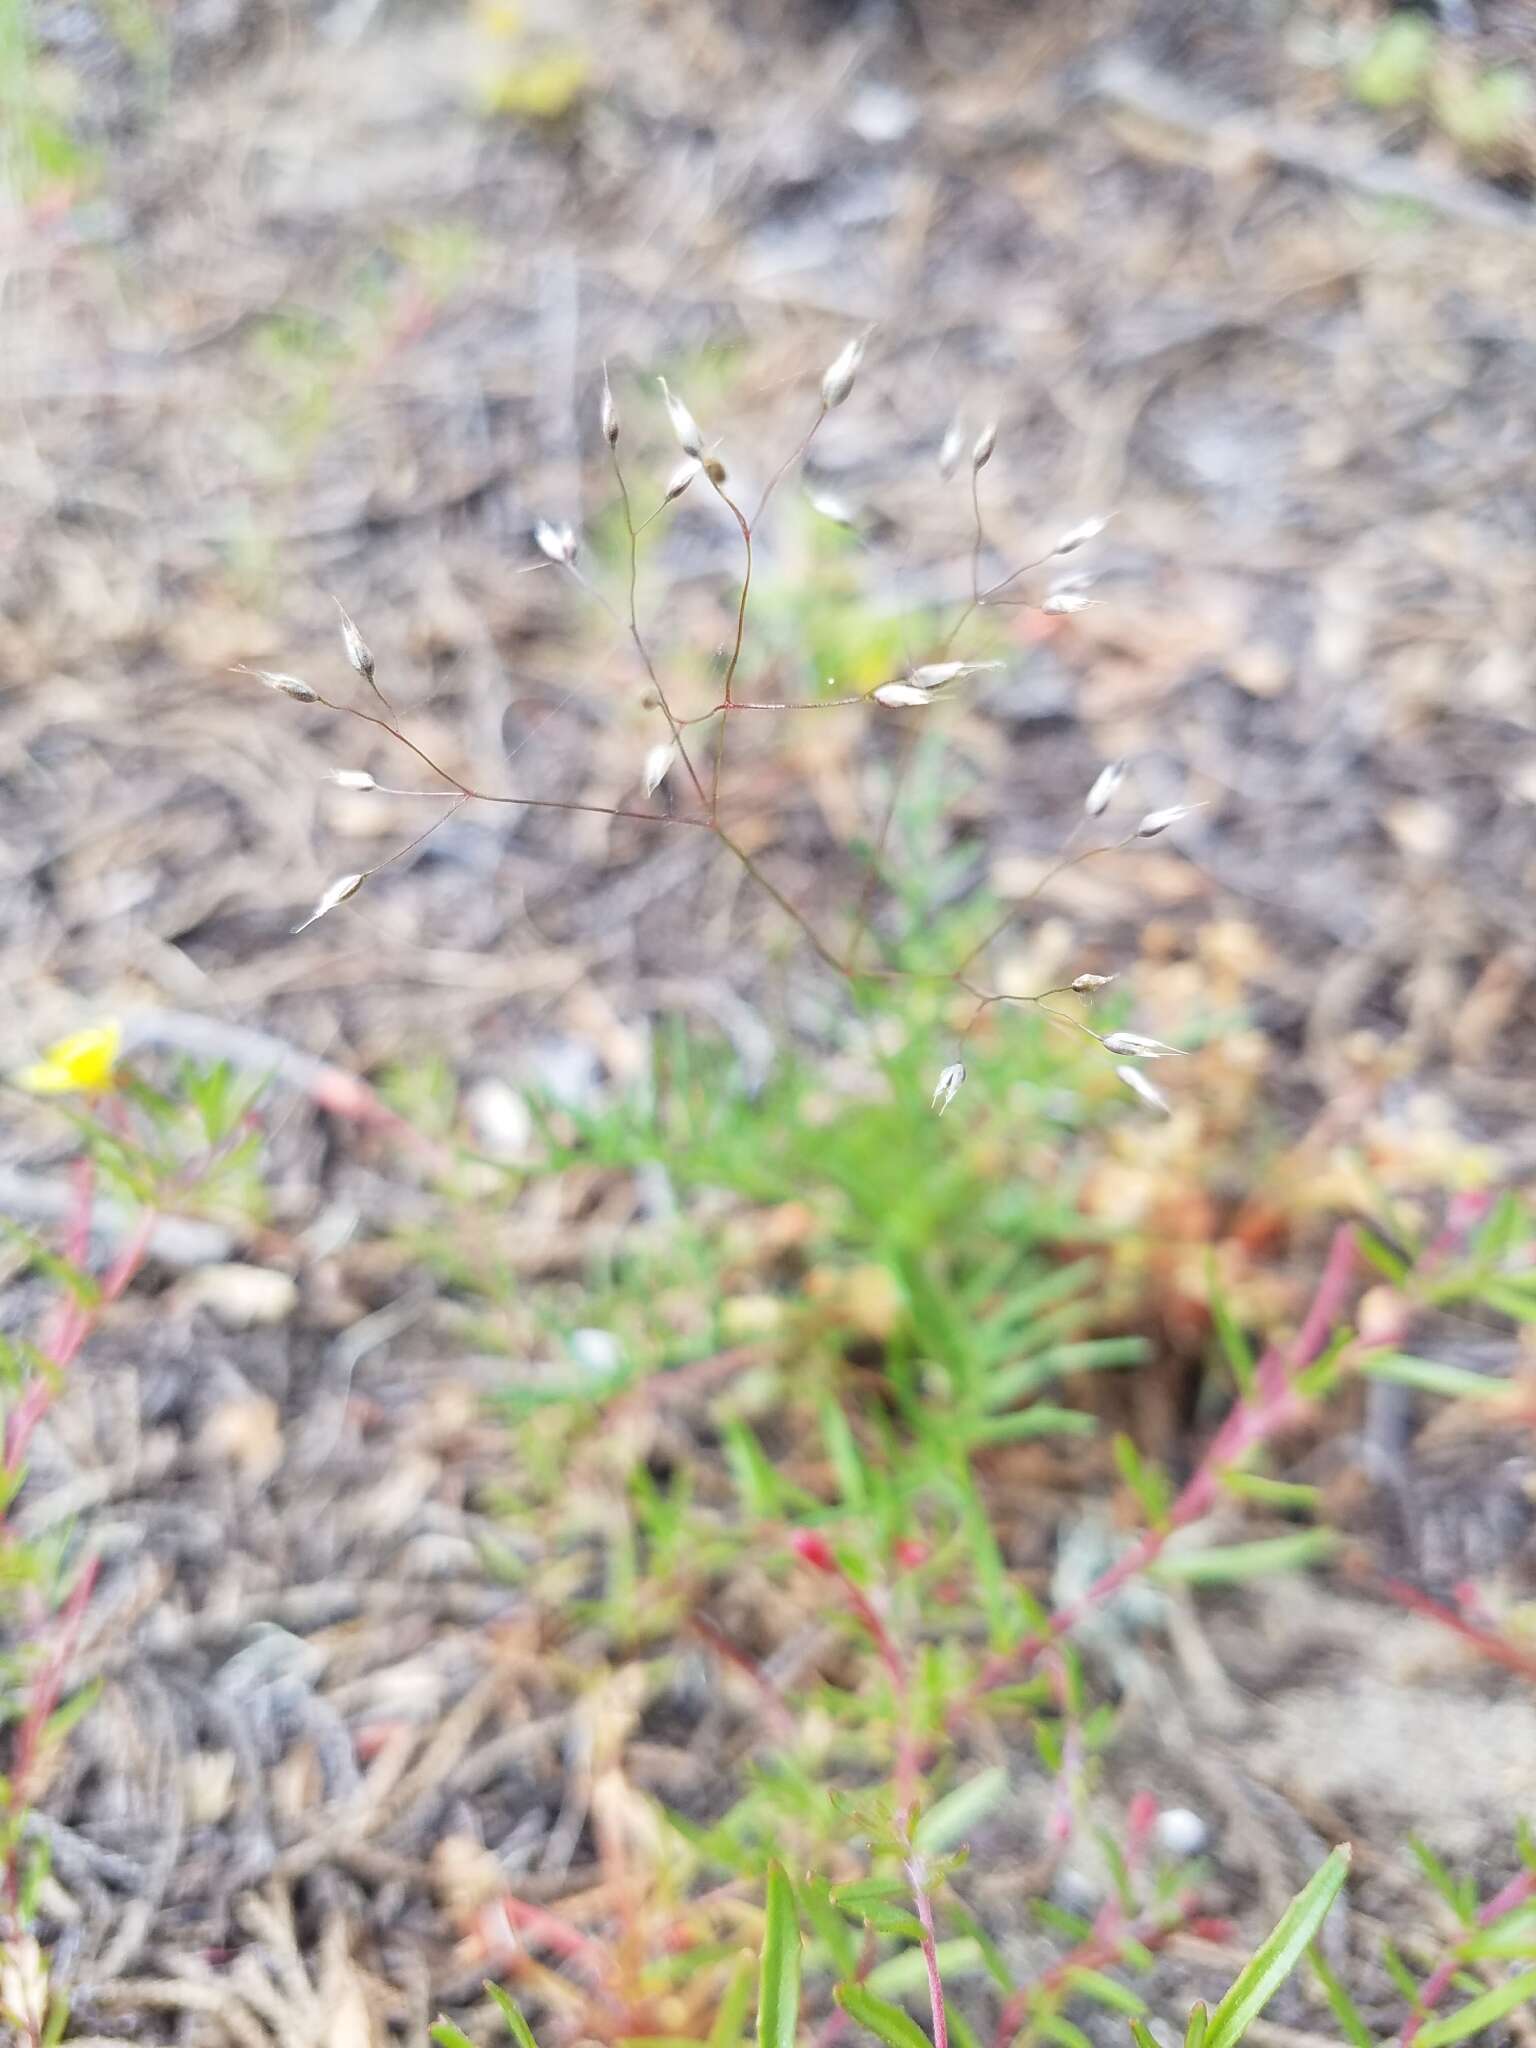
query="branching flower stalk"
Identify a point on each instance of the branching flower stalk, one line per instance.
(914, 691)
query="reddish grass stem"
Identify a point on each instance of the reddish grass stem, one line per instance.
(1520, 1888)
(1274, 1405)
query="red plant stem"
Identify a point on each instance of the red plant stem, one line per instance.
(1275, 1405)
(60, 1348)
(1515, 1893)
(556, 1933)
(775, 1708)
(1111, 1937)
(1498, 1648)
(889, 1653)
(46, 1688)
(919, 1881)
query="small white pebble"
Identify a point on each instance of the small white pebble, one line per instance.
(1180, 1832)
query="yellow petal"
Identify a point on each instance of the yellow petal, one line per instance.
(81, 1064)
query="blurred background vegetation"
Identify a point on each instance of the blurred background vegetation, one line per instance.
(532, 1451)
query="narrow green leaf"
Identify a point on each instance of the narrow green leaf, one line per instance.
(1236, 1349)
(1513, 1937)
(852, 1481)
(1231, 1564)
(1382, 1257)
(657, 2041)
(1444, 1882)
(1093, 1354)
(1431, 1377)
(756, 1480)
(1199, 2025)
(63, 1272)
(1105, 1991)
(1343, 2007)
(863, 1892)
(899, 1976)
(735, 2003)
(894, 1922)
(517, 2026)
(991, 1955)
(1400, 1974)
(1070, 1926)
(1478, 2013)
(1142, 2035)
(1149, 1483)
(951, 1819)
(778, 1992)
(1059, 1285)
(1276, 1957)
(986, 1559)
(1512, 1300)
(1040, 1420)
(1271, 1493)
(447, 2035)
(1056, 2028)
(887, 2022)
(829, 1926)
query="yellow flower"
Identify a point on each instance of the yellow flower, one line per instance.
(81, 1064)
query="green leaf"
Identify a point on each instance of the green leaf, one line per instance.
(1275, 1958)
(735, 2004)
(1430, 1377)
(1231, 1564)
(1512, 1300)
(950, 1819)
(843, 1450)
(1092, 1354)
(1461, 1898)
(1513, 1937)
(864, 1892)
(1382, 1257)
(986, 1559)
(1143, 2035)
(78, 1285)
(517, 2026)
(1271, 1493)
(900, 1975)
(893, 1921)
(778, 1984)
(887, 2022)
(1234, 1344)
(1478, 2013)
(1105, 1991)
(657, 2041)
(74, 1709)
(447, 2035)
(756, 1479)
(1344, 2009)
(1400, 1974)
(1064, 2031)
(1149, 1484)
(1199, 2025)
(829, 1926)
(1040, 1420)
(991, 1955)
